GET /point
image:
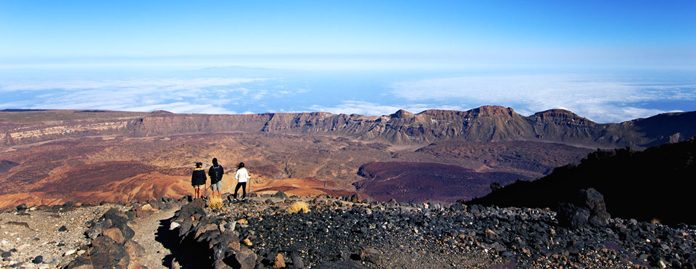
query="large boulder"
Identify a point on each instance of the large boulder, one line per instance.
(115, 234)
(243, 259)
(572, 216)
(587, 208)
(117, 219)
(594, 201)
(107, 253)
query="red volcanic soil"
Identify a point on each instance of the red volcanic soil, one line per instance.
(95, 177)
(412, 181)
(301, 187)
(49, 157)
(120, 169)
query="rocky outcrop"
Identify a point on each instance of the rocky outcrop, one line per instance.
(216, 239)
(344, 234)
(112, 245)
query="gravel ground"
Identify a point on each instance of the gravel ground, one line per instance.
(44, 237)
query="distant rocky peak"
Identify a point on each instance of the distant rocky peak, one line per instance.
(492, 111)
(557, 114)
(402, 114)
(161, 112)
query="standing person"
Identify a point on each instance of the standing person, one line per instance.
(198, 179)
(242, 176)
(215, 172)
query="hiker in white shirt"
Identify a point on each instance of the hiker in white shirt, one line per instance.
(242, 176)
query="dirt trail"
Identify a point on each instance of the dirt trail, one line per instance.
(145, 234)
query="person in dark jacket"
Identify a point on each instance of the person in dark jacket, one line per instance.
(198, 179)
(215, 172)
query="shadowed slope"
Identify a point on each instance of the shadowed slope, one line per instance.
(655, 183)
(412, 182)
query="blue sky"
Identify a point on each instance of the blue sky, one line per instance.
(350, 56)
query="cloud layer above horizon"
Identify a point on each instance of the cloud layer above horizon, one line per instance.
(601, 99)
(193, 95)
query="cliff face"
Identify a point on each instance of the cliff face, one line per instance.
(483, 124)
(68, 129)
(162, 125)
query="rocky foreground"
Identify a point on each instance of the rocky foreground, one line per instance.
(290, 232)
(45, 237)
(279, 232)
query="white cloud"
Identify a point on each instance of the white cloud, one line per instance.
(373, 109)
(199, 95)
(597, 99)
(184, 107)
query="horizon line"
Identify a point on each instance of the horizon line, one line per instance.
(164, 112)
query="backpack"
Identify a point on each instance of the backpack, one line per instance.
(217, 173)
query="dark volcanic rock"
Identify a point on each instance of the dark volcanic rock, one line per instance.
(21, 208)
(242, 259)
(594, 201)
(570, 215)
(587, 208)
(280, 194)
(213, 238)
(296, 260)
(37, 259)
(341, 234)
(107, 253)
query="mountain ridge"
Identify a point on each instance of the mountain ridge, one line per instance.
(482, 124)
(57, 156)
